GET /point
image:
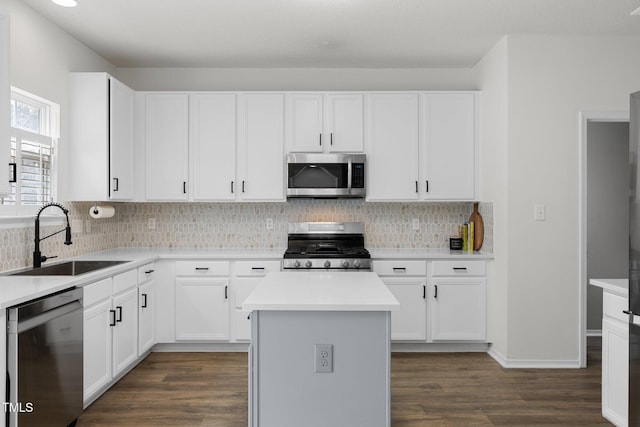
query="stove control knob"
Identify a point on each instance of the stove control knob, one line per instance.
(345, 263)
(296, 263)
(327, 264)
(356, 263)
(308, 264)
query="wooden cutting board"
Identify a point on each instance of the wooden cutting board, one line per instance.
(478, 228)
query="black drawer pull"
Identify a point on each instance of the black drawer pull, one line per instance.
(459, 268)
(399, 269)
(202, 268)
(257, 268)
(149, 271)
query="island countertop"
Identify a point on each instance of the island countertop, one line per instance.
(321, 291)
(615, 286)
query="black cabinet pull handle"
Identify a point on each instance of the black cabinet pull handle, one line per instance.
(435, 295)
(331, 138)
(144, 300)
(320, 139)
(424, 292)
(13, 172)
(226, 292)
(184, 187)
(112, 315)
(116, 184)
(119, 309)
(416, 186)
(202, 268)
(459, 268)
(427, 185)
(243, 186)
(257, 268)
(399, 270)
(149, 271)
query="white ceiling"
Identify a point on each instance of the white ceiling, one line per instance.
(324, 33)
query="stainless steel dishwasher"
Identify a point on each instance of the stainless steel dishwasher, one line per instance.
(44, 360)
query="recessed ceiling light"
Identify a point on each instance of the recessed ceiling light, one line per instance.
(66, 3)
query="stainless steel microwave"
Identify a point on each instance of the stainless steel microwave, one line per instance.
(326, 175)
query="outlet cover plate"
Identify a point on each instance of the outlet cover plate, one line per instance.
(323, 358)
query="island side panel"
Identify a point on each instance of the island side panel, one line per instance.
(286, 390)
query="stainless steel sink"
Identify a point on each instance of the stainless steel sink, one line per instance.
(69, 268)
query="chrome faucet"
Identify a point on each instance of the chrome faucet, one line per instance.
(38, 258)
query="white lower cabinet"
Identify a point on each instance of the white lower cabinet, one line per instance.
(247, 275)
(615, 359)
(457, 301)
(202, 301)
(110, 331)
(406, 279)
(146, 308)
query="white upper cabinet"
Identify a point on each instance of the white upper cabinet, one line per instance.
(166, 128)
(332, 122)
(5, 99)
(421, 146)
(393, 137)
(213, 146)
(261, 147)
(101, 138)
(448, 164)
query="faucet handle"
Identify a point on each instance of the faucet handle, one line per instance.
(45, 258)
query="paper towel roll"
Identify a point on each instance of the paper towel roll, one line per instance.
(101, 211)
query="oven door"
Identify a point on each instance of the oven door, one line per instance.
(325, 175)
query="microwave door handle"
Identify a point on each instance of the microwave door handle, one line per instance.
(349, 172)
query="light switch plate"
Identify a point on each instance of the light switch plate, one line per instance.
(539, 212)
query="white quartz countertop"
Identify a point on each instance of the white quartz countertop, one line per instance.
(397, 253)
(321, 291)
(616, 286)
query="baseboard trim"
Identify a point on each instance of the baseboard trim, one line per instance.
(439, 347)
(200, 347)
(532, 364)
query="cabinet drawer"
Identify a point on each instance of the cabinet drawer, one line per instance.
(458, 268)
(146, 272)
(400, 268)
(256, 268)
(97, 291)
(125, 281)
(614, 305)
(202, 268)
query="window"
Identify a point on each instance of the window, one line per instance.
(34, 128)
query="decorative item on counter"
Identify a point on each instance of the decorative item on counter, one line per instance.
(101, 211)
(478, 232)
(455, 243)
(467, 232)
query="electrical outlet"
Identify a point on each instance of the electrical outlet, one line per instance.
(269, 223)
(152, 223)
(415, 223)
(539, 212)
(323, 357)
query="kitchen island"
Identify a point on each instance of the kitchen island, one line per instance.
(320, 350)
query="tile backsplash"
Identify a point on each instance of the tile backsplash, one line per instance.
(241, 225)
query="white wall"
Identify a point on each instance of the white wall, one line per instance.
(297, 79)
(552, 79)
(42, 56)
(491, 75)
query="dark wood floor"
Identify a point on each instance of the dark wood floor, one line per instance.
(428, 389)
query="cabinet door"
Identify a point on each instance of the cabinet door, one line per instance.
(120, 140)
(261, 150)
(125, 333)
(167, 145)
(458, 309)
(410, 321)
(344, 123)
(615, 370)
(97, 348)
(392, 146)
(5, 99)
(213, 146)
(146, 316)
(202, 309)
(448, 158)
(304, 123)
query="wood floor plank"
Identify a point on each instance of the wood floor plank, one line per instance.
(427, 389)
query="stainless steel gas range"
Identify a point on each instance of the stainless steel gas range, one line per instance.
(328, 246)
